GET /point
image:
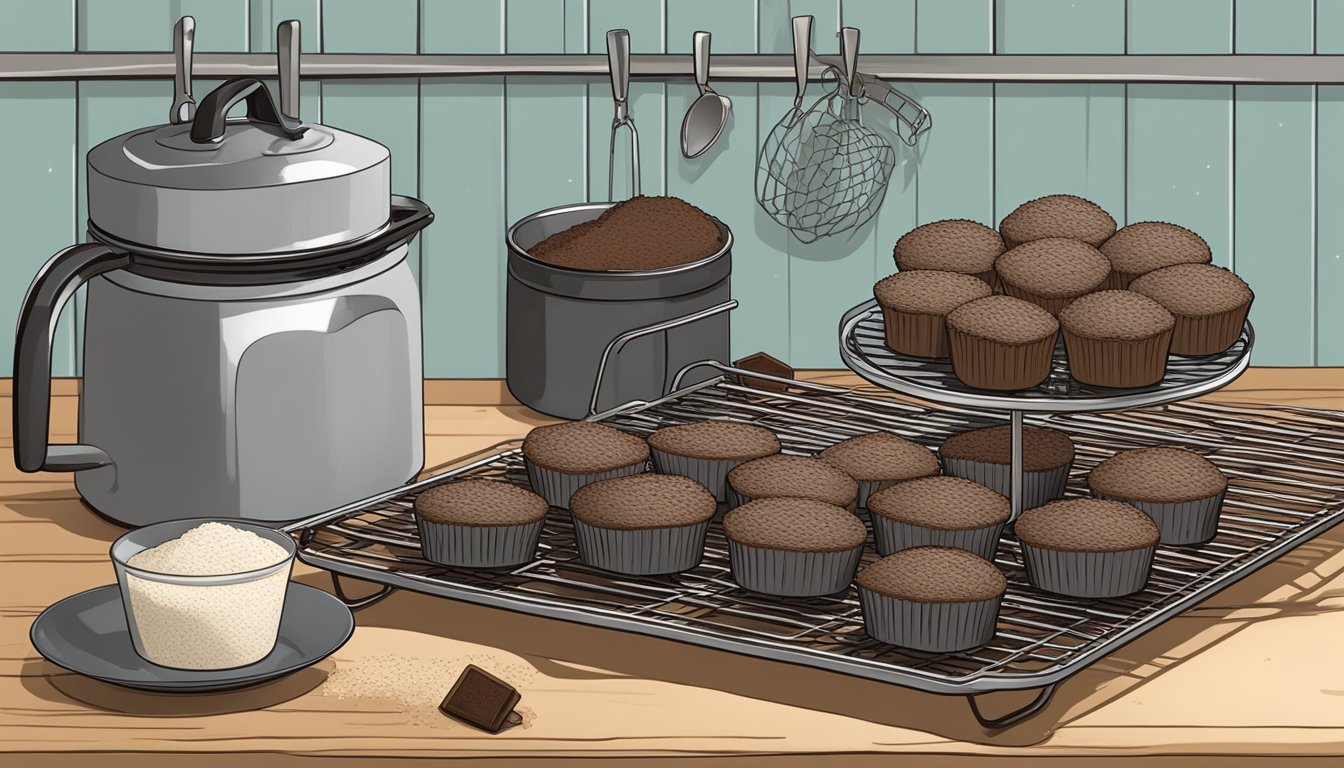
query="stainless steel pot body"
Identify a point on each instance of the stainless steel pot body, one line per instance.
(561, 323)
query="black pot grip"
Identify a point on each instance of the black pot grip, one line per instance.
(211, 112)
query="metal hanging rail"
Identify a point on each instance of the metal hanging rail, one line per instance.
(1237, 69)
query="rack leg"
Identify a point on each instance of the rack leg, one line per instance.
(361, 602)
(1016, 716)
(1015, 464)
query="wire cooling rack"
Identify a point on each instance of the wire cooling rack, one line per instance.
(1286, 485)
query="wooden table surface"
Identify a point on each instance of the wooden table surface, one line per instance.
(1254, 673)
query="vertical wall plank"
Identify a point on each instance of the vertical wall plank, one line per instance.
(1059, 26)
(648, 102)
(954, 26)
(732, 23)
(1179, 151)
(1274, 169)
(358, 26)
(265, 15)
(462, 274)
(1330, 27)
(1329, 193)
(37, 25)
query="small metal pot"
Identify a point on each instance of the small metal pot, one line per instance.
(582, 341)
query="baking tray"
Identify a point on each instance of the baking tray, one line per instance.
(1286, 485)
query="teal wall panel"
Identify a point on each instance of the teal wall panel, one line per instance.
(731, 22)
(1274, 26)
(147, 25)
(265, 15)
(1060, 26)
(954, 26)
(1329, 26)
(1188, 26)
(359, 26)
(1329, 193)
(37, 25)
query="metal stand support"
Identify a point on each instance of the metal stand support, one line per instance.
(1016, 716)
(1016, 460)
(361, 602)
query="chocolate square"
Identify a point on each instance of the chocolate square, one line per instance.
(479, 698)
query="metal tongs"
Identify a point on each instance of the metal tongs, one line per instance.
(618, 57)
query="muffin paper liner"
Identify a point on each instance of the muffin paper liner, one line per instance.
(868, 488)
(935, 627)
(1116, 363)
(1181, 522)
(1118, 281)
(476, 546)
(1053, 306)
(556, 487)
(711, 473)
(917, 334)
(1038, 488)
(1207, 335)
(793, 574)
(986, 364)
(641, 551)
(895, 535)
(1088, 574)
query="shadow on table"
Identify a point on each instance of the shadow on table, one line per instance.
(1287, 587)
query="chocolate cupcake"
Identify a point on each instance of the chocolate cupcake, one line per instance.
(932, 599)
(793, 547)
(953, 245)
(915, 306)
(985, 455)
(1209, 303)
(879, 460)
(1057, 216)
(1087, 547)
(1001, 343)
(1181, 490)
(479, 523)
(793, 476)
(562, 458)
(941, 512)
(705, 451)
(1146, 246)
(1052, 272)
(1117, 339)
(642, 524)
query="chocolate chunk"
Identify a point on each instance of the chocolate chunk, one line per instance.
(763, 363)
(479, 698)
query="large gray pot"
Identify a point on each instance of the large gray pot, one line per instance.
(648, 324)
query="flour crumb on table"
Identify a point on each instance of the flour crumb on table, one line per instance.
(416, 685)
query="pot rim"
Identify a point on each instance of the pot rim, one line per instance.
(510, 239)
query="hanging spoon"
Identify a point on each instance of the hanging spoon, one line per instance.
(709, 114)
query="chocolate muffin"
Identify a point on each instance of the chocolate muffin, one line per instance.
(1117, 339)
(1052, 272)
(794, 476)
(1001, 343)
(1057, 216)
(915, 306)
(642, 233)
(934, 599)
(1181, 490)
(1145, 246)
(1087, 547)
(985, 456)
(938, 511)
(793, 547)
(879, 460)
(1209, 303)
(954, 245)
(642, 524)
(706, 451)
(479, 523)
(562, 458)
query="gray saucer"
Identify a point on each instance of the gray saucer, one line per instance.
(87, 633)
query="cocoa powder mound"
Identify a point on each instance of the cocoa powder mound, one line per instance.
(642, 233)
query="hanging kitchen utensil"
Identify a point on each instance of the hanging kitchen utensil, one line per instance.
(184, 106)
(709, 114)
(774, 166)
(618, 58)
(287, 47)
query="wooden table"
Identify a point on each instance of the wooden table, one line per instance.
(1254, 674)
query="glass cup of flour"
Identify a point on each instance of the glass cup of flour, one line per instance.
(203, 594)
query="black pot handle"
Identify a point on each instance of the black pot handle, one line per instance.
(208, 126)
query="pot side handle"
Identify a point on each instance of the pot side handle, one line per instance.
(57, 281)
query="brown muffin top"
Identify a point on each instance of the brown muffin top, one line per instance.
(1194, 290)
(881, 456)
(716, 440)
(583, 446)
(1004, 319)
(1147, 245)
(1087, 525)
(646, 232)
(480, 503)
(944, 503)
(1042, 448)
(794, 525)
(1122, 315)
(934, 575)
(1054, 267)
(952, 245)
(643, 501)
(1158, 475)
(796, 476)
(929, 292)
(1057, 216)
